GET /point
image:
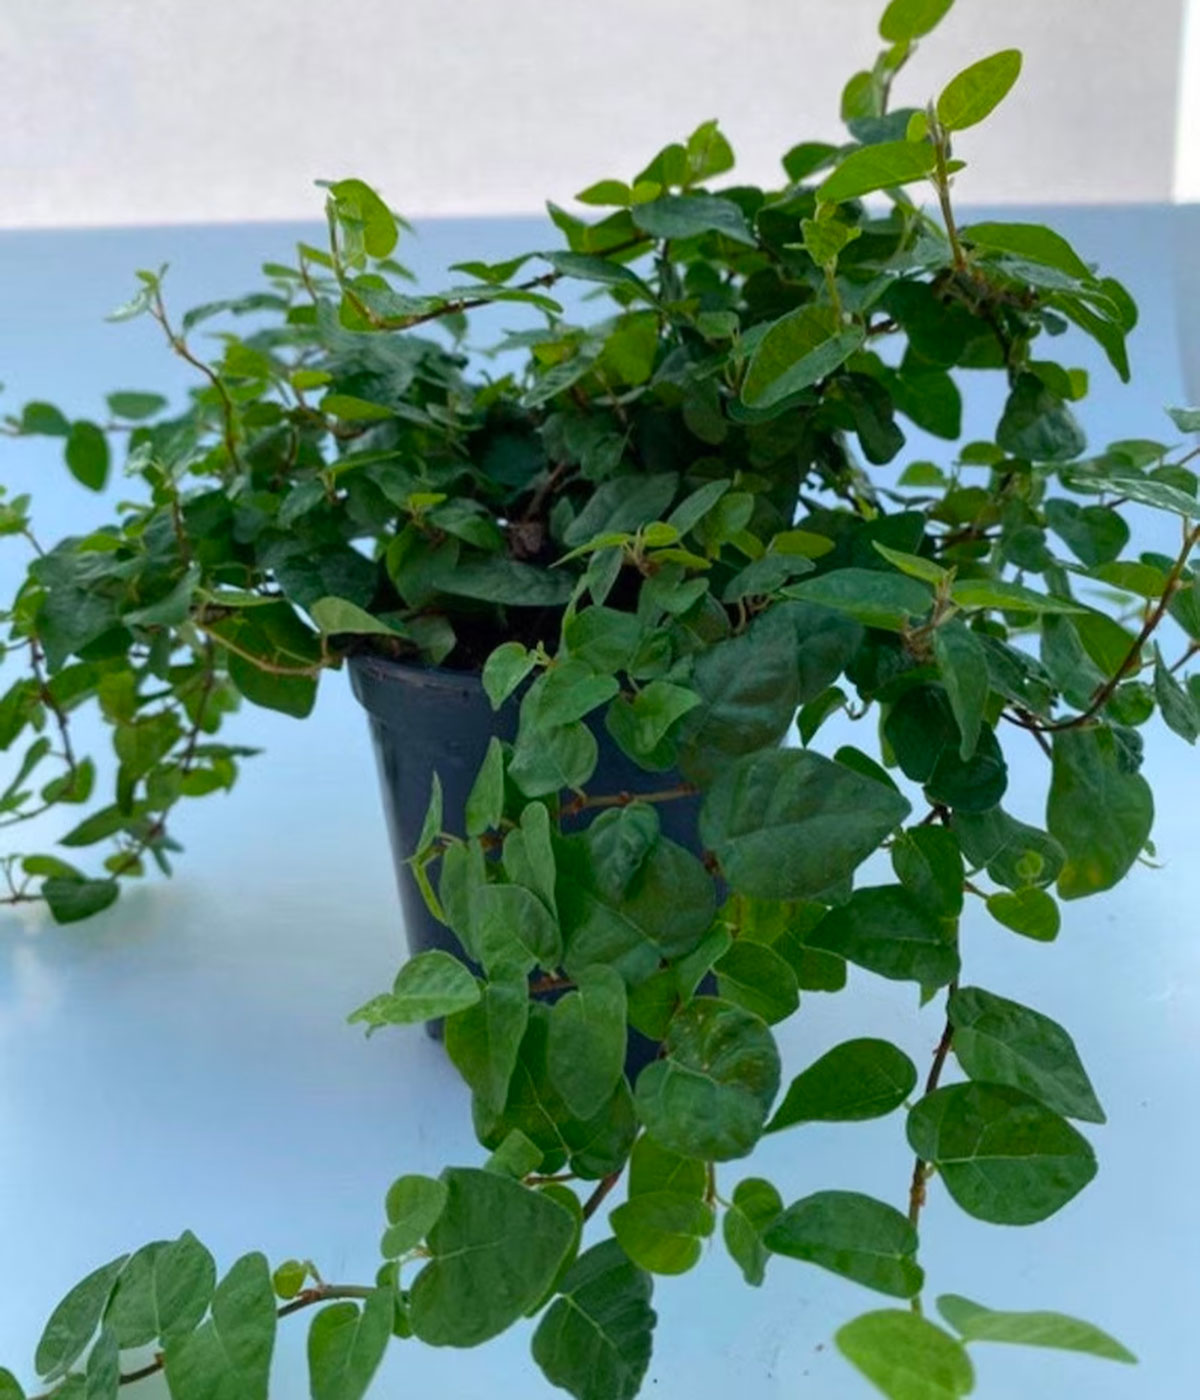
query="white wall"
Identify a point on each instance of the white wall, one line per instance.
(162, 111)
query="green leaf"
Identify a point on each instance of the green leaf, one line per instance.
(567, 692)
(103, 1368)
(662, 1231)
(1015, 855)
(1100, 813)
(874, 598)
(906, 1356)
(853, 1235)
(1028, 911)
(516, 1156)
(977, 90)
(685, 216)
(1037, 425)
(915, 565)
(1030, 242)
(975, 1323)
(356, 201)
(9, 1388)
(72, 1323)
(755, 1206)
(494, 1251)
(135, 406)
(87, 455)
(755, 977)
(164, 1290)
(1094, 534)
(413, 1205)
(796, 352)
(346, 1345)
(905, 20)
(885, 930)
(1011, 597)
(484, 1040)
(882, 166)
(824, 239)
(505, 581)
(856, 1080)
(595, 1339)
(431, 825)
(709, 1097)
(1003, 1156)
(1176, 705)
(430, 985)
(485, 801)
(504, 670)
(929, 864)
(230, 1353)
(71, 899)
(963, 664)
(586, 1044)
(1002, 1042)
(289, 1278)
(339, 615)
(789, 824)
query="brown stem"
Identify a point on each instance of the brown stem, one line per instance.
(623, 799)
(180, 347)
(916, 1190)
(596, 1199)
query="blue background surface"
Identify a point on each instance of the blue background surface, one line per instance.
(182, 1060)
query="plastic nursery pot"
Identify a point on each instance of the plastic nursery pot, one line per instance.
(424, 720)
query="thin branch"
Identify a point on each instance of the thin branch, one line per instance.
(180, 347)
(596, 1199)
(920, 1172)
(623, 799)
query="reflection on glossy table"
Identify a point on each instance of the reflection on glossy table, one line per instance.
(182, 1061)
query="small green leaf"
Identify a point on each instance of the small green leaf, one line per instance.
(685, 216)
(975, 1323)
(852, 1235)
(430, 985)
(516, 1156)
(289, 1278)
(905, 20)
(431, 825)
(1010, 597)
(356, 201)
(339, 615)
(963, 664)
(856, 1080)
(413, 1205)
(824, 239)
(346, 1345)
(754, 976)
(71, 899)
(977, 90)
(595, 1339)
(135, 406)
(1029, 911)
(1003, 1156)
(906, 1356)
(662, 1231)
(882, 166)
(870, 596)
(755, 1206)
(485, 801)
(1002, 1042)
(504, 670)
(885, 930)
(1030, 242)
(915, 565)
(87, 455)
(709, 1096)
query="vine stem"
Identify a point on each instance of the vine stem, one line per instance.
(596, 1199)
(181, 348)
(584, 803)
(916, 1190)
(942, 185)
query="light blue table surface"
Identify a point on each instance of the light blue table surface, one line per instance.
(183, 1060)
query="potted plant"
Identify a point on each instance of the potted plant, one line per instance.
(586, 599)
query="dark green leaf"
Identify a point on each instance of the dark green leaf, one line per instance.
(885, 930)
(855, 1080)
(684, 216)
(1094, 534)
(484, 1040)
(9, 1389)
(586, 1046)
(504, 670)
(755, 977)
(709, 1097)
(1037, 425)
(87, 455)
(973, 93)
(907, 1356)
(346, 1345)
(975, 1323)
(1031, 242)
(963, 664)
(136, 406)
(430, 985)
(852, 1235)
(1003, 1156)
(494, 1251)
(789, 824)
(929, 864)
(71, 899)
(595, 1339)
(1179, 710)
(103, 1368)
(1099, 812)
(485, 801)
(1001, 1042)
(874, 598)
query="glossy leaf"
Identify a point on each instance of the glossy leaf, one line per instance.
(797, 351)
(977, 90)
(878, 167)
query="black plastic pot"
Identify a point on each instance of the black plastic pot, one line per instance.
(425, 720)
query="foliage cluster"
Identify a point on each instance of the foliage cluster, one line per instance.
(677, 526)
